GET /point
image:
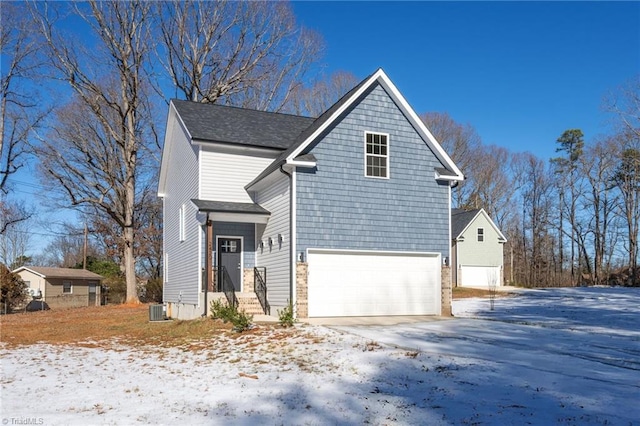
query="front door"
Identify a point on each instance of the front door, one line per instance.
(230, 252)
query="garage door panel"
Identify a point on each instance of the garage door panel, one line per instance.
(370, 284)
(479, 276)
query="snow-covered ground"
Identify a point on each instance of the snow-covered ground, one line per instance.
(562, 356)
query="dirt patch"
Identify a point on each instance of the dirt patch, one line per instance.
(126, 324)
(468, 292)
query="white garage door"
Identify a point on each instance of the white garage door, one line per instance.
(354, 283)
(479, 276)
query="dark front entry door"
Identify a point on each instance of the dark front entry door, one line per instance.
(230, 250)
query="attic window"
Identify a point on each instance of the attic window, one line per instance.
(480, 235)
(376, 155)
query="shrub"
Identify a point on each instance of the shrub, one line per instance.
(13, 291)
(151, 292)
(229, 313)
(286, 317)
(115, 290)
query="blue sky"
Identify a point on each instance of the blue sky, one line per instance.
(519, 72)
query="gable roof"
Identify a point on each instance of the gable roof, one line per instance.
(310, 134)
(47, 272)
(303, 136)
(462, 219)
(239, 126)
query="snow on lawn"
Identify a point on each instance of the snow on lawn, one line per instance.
(562, 356)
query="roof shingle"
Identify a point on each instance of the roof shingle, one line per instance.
(460, 219)
(221, 123)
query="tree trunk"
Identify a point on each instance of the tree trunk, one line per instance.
(130, 267)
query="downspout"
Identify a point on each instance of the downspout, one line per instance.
(208, 264)
(291, 236)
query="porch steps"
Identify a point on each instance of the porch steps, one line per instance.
(249, 303)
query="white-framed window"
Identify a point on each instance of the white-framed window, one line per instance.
(480, 235)
(376, 155)
(181, 224)
(67, 287)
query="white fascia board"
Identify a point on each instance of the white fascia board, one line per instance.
(471, 222)
(265, 181)
(238, 217)
(382, 78)
(25, 268)
(422, 129)
(172, 117)
(304, 164)
(457, 178)
(231, 148)
(335, 115)
(501, 237)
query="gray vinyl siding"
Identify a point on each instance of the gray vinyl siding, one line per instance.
(471, 252)
(244, 230)
(338, 207)
(182, 185)
(277, 260)
(224, 175)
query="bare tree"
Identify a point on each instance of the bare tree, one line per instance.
(20, 109)
(16, 238)
(623, 104)
(67, 249)
(461, 142)
(149, 236)
(492, 187)
(91, 155)
(535, 245)
(627, 179)
(316, 99)
(249, 54)
(599, 201)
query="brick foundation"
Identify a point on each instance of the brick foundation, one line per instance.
(302, 295)
(447, 295)
(247, 280)
(248, 283)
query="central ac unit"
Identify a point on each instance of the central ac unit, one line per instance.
(156, 313)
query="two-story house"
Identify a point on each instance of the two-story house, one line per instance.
(346, 214)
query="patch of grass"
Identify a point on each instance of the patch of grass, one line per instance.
(467, 292)
(128, 324)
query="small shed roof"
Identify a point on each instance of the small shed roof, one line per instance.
(229, 207)
(48, 272)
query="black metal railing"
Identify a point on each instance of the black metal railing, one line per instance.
(226, 285)
(260, 287)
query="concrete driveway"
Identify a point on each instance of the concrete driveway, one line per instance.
(373, 321)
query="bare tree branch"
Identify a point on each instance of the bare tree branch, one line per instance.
(91, 154)
(249, 54)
